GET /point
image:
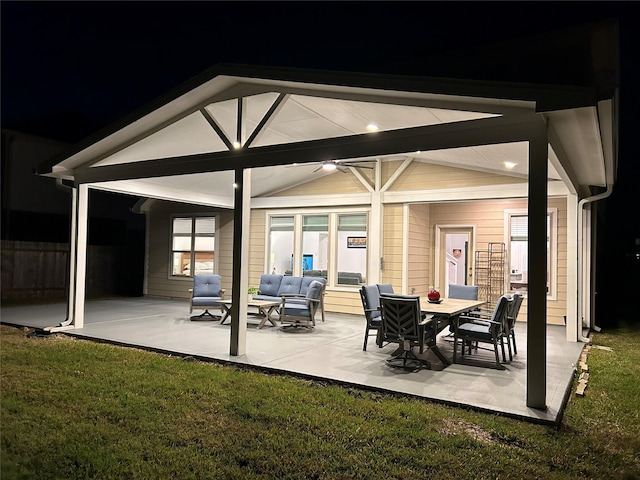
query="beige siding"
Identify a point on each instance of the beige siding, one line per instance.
(392, 246)
(337, 182)
(419, 250)
(159, 280)
(424, 176)
(257, 244)
(488, 217)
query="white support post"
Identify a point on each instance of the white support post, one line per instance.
(82, 214)
(537, 268)
(72, 256)
(572, 268)
(240, 282)
(375, 236)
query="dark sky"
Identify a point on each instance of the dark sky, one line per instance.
(101, 60)
(70, 68)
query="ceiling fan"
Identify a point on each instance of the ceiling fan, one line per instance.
(329, 165)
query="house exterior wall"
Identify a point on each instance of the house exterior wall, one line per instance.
(392, 233)
(426, 176)
(407, 235)
(488, 217)
(160, 283)
(337, 182)
(419, 249)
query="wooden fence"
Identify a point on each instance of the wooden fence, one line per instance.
(39, 270)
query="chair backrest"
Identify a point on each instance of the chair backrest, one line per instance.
(515, 308)
(289, 286)
(207, 285)
(270, 284)
(500, 312)
(306, 281)
(400, 317)
(385, 288)
(314, 292)
(464, 292)
(370, 301)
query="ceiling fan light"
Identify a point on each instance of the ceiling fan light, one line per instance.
(329, 166)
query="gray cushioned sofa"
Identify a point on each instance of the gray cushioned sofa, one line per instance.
(273, 286)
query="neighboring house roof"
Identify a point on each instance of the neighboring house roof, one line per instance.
(181, 146)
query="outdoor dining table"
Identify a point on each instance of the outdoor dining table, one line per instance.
(443, 311)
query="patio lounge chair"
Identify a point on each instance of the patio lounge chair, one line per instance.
(298, 314)
(205, 295)
(402, 323)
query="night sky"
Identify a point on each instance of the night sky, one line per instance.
(71, 68)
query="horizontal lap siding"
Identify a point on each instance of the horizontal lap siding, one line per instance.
(159, 282)
(337, 182)
(392, 246)
(257, 244)
(424, 176)
(488, 217)
(419, 251)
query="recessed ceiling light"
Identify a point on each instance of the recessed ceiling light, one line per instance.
(509, 165)
(372, 127)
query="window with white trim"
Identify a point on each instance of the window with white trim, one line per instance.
(517, 247)
(192, 246)
(331, 245)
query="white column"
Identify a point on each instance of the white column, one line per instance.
(82, 214)
(375, 239)
(240, 282)
(572, 268)
(537, 268)
(72, 257)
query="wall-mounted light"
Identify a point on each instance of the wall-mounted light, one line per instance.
(372, 127)
(236, 145)
(509, 165)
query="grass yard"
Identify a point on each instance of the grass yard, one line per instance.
(73, 409)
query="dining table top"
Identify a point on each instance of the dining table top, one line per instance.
(450, 306)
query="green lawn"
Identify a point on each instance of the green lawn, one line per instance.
(74, 409)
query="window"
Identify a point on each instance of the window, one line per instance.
(315, 244)
(352, 249)
(192, 246)
(281, 245)
(332, 245)
(518, 242)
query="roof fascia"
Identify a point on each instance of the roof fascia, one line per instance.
(433, 137)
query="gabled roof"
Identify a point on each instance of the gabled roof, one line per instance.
(181, 146)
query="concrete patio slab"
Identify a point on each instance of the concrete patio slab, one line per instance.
(332, 352)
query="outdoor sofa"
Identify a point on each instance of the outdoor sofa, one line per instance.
(273, 286)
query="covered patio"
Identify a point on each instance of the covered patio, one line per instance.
(333, 352)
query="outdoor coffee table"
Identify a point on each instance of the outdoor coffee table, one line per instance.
(265, 309)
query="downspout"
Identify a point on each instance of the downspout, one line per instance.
(67, 321)
(581, 204)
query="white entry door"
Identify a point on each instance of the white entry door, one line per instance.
(454, 256)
